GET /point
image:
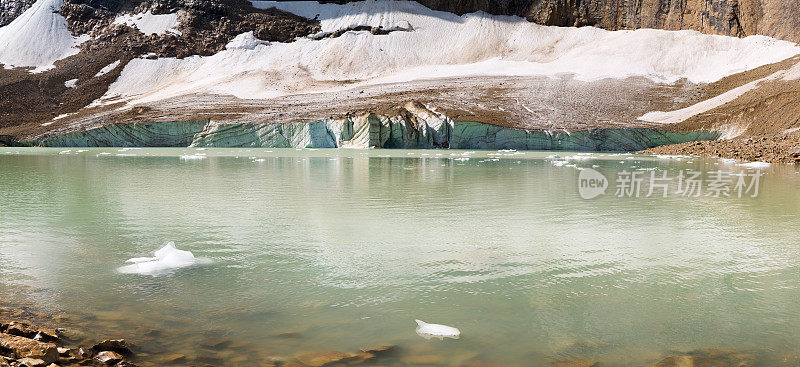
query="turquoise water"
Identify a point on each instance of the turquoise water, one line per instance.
(340, 249)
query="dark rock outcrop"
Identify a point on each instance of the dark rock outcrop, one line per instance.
(11, 9)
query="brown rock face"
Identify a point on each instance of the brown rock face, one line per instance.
(28, 348)
(774, 18)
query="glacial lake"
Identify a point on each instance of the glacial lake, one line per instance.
(337, 249)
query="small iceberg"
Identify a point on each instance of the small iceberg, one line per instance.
(187, 157)
(755, 165)
(428, 331)
(167, 258)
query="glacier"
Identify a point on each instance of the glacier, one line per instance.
(426, 44)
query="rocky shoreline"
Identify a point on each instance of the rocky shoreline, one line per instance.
(771, 149)
(24, 344)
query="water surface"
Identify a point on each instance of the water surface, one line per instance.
(340, 249)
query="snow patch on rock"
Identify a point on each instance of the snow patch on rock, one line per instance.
(38, 38)
(245, 41)
(70, 83)
(107, 69)
(148, 23)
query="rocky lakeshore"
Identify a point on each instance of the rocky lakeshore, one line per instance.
(25, 344)
(771, 149)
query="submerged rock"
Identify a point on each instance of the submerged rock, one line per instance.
(70, 334)
(709, 358)
(423, 359)
(573, 362)
(378, 349)
(114, 345)
(324, 357)
(175, 358)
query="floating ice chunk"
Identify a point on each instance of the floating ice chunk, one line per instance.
(428, 331)
(167, 258)
(755, 165)
(192, 157)
(728, 160)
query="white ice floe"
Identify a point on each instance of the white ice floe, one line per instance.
(755, 165)
(167, 258)
(431, 44)
(149, 24)
(428, 331)
(188, 157)
(70, 83)
(38, 38)
(107, 69)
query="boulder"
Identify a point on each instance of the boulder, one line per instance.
(108, 358)
(45, 336)
(29, 348)
(31, 362)
(120, 346)
(83, 353)
(20, 329)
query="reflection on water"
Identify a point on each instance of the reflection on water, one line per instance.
(341, 249)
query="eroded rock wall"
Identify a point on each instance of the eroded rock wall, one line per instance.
(774, 18)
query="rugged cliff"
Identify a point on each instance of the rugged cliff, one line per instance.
(774, 18)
